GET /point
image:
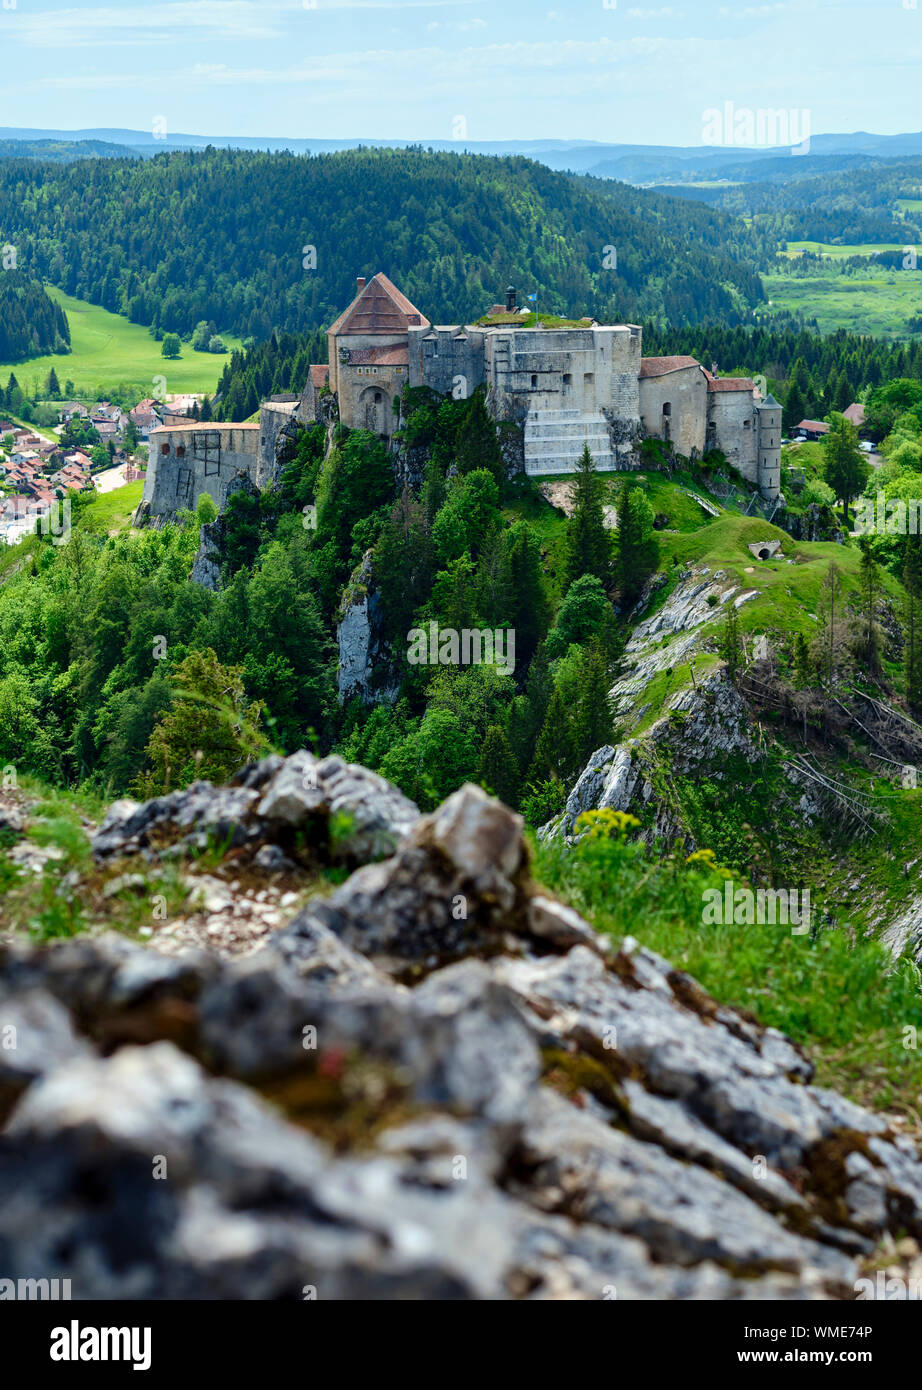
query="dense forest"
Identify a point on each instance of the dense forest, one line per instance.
(30, 322)
(104, 641)
(258, 241)
(277, 367)
(841, 207)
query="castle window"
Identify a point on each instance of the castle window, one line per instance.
(377, 396)
(588, 378)
(534, 382)
(745, 424)
(164, 448)
(567, 379)
(181, 451)
(667, 408)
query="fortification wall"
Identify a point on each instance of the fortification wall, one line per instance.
(583, 369)
(187, 460)
(735, 431)
(449, 360)
(277, 422)
(679, 401)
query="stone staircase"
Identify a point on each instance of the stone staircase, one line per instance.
(554, 440)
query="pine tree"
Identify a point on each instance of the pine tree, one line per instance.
(795, 408)
(912, 618)
(556, 754)
(637, 547)
(842, 398)
(54, 386)
(588, 542)
(592, 717)
(531, 613)
(730, 642)
(870, 587)
(476, 443)
(803, 666)
(499, 772)
(845, 467)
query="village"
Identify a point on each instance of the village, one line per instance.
(97, 447)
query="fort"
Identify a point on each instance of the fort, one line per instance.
(563, 386)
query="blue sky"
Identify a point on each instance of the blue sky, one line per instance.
(409, 69)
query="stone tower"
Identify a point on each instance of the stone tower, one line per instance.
(769, 466)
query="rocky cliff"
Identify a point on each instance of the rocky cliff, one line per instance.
(432, 1081)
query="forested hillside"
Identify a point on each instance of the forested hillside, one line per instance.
(841, 207)
(30, 322)
(221, 235)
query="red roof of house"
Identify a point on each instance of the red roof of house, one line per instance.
(320, 374)
(855, 414)
(661, 366)
(730, 383)
(379, 307)
(813, 426)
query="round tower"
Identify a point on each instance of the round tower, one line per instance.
(769, 417)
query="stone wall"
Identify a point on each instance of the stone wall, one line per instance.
(583, 369)
(449, 360)
(187, 460)
(677, 403)
(278, 423)
(735, 430)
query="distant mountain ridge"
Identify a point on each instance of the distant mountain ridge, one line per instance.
(631, 163)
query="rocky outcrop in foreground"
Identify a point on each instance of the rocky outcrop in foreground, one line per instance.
(435, 1082)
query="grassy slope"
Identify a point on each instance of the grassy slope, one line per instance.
(109, 353)
(838, 993)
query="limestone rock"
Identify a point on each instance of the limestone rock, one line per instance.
(437, 1082)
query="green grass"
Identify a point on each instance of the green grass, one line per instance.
(111, 511)
(840, 253)
(788, 594)
(846, 1002)
(878, 302)
(110, 355)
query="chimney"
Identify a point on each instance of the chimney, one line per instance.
(359, 284)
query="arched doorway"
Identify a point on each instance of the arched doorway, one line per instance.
(375, 410)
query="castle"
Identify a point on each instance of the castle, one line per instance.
(566, 387)
(563, 387)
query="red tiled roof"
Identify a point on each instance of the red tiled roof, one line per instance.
(382, 356)
(661, 366)
(855, 414)
(814, 426)
(730, 383)
(320, 374)
(378, 308)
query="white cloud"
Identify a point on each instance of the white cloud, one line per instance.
(146, 23)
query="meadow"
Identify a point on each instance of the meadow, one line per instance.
(879, 302)
(112, 356)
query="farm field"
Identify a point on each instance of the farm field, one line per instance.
(110, 355)
(840, 253)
